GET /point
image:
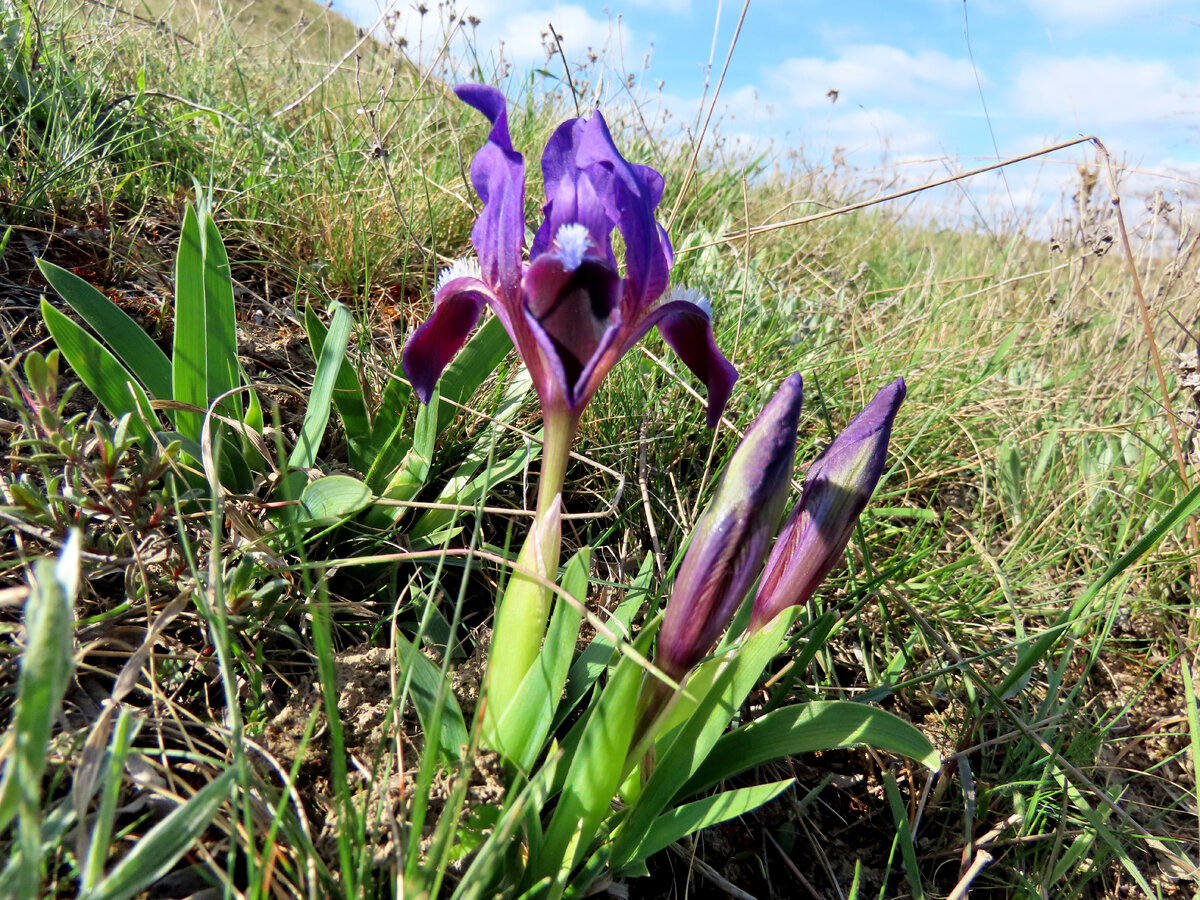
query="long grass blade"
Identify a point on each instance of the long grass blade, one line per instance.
(1030, 656)
(129, 342)
(47, 663)
(155, 854)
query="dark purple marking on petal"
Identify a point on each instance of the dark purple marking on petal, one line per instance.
(575, 311)
(431, 347)
(498, 175)
(575, 202)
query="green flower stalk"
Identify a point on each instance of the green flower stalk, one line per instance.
(521, 615)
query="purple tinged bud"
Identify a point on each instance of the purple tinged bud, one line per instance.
(836, 490)
(732, 537)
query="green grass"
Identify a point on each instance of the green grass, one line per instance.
(1032, 453)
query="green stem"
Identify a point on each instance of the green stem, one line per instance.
(523, 612)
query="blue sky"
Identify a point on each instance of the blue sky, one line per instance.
(910, 92)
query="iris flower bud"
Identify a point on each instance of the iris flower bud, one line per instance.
(732, 537)
(836, 490)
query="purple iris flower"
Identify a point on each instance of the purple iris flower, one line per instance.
(836, 490)
(731, 539)
(570, 312)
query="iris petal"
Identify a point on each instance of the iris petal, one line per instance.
(569, 313)
(630, 194)
(686, 328)
(498, 176)
(456, 310)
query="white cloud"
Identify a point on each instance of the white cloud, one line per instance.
(523, 29)
(675, 6)
(524, 33)
(1090, 13)
(869, 74)
(886, 109)
(1096, 92)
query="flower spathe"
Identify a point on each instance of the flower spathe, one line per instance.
(570, 312)
(836, 489)
(731, 539)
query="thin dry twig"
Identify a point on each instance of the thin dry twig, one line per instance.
(1156, 359)
(712, 874)
(643, 487)
(366, 36)
(961, 891)
(691, 169)
(896, 195)
(792, 867)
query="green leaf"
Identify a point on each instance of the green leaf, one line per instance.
(134, 347)
(595, 773)
(189, 352)
(348, 398)
(332, 498)
(809, 728)
(46, 667)
(220, 320)
(204, 363)
(689, 745)
(329, 363)
(155, 855)
(598, 654)
(55, 825)
(1000, 355)
(116, 389)
(401, 479)
(424, 688)
(691, 817)
(523, 728)
(491, 861)
(462, 489)
(462, 494)
(389, 440)
(407, 481)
